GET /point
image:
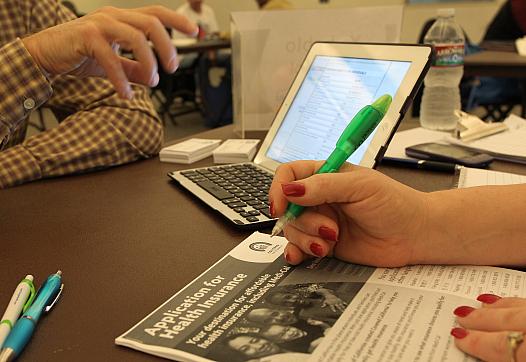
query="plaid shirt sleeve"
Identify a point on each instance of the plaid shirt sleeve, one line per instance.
(101, 130)
(23, 87)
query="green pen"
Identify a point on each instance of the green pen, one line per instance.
(356, 132)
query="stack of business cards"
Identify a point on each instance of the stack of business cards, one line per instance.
(188, 151)
(235, 151)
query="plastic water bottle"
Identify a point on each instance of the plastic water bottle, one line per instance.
(441, 93)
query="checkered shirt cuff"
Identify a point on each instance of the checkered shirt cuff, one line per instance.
(22, 85)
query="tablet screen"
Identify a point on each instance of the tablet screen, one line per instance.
(332, 92)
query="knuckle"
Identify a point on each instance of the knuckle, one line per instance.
(500, 348)
(107, 10)
(508, 318)
(138, 37)
(90, 30)
(158, 8)
(152, 22)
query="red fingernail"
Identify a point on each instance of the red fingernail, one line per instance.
(488, 298)
(316, 249)
(287, 257)
(463, 311)
(459, 333)
(293, 189)
(271, 209)
(327, 233)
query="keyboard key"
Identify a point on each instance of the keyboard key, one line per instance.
(254, 212)
(259, 206)
(247, 198)
(237, 204)
(246, 214)
(217, 191)
(254, 203)
(252, 219)
(239, 209)
(229, 201)
(266, 212)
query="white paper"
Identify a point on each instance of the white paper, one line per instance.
(393, 314)
(507, 143)
(191, 146)
(236, 147)
(470, 177)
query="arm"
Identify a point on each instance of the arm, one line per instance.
(365, 217)
(102, 129)
(478, 225)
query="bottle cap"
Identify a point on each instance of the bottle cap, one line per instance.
(447, 12)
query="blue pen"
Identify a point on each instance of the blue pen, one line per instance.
(25, 326)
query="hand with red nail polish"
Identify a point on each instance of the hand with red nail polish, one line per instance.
(362, 216)
(483, 332)
(344, 221)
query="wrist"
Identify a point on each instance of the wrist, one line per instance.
(428, 230)
(441, 237)
(31, 45)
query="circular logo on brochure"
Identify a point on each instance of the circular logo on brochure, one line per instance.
(259, 246)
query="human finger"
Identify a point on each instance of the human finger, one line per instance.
(133, 70)
(294, 255)
(491, 319)
(330, 188)
(286, 173)
(310, 244)
(131, 39)
(112, 66)
(316, 223)
(171, 19)
(495, 301)
(154, 30)
(487, 346)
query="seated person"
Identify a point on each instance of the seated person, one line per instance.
(100, 125)
(507, 25)
(362, 216)
(201, 14)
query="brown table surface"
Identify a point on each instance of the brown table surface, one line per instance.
(495, 64)
(126, 240)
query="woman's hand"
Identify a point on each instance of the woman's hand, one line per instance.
(485, 331)
(88, 46)
(357, 215)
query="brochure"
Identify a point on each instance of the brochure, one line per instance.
(252, 306)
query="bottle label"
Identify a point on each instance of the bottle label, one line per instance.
(449, 55)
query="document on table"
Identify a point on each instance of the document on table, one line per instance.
(377, 314)
(509, 145)
(470, 177)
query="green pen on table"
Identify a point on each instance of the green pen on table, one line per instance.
(356, 132)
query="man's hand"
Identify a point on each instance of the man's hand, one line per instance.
(88, 46)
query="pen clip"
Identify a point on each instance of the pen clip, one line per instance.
(48, 308)
(32, 294)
